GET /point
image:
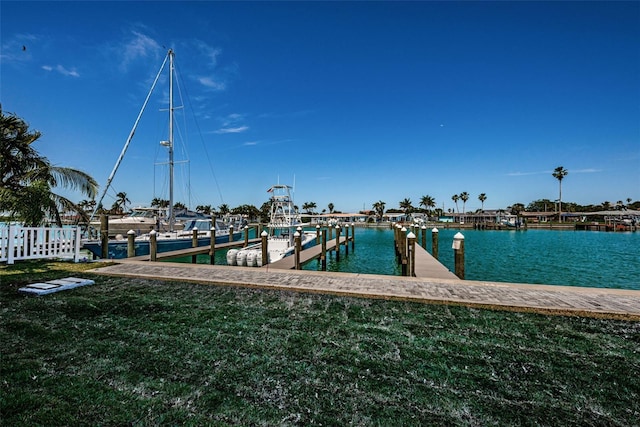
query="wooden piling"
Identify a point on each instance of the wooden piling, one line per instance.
(338, 243)
(194, 244)
(424, 236)
(104, 235)
(346, 240)
(434, 242)
(131, 244)
(153, 245)
(403, 250)
(265, 252)
(458, 249)
(297, 240)
(323, 255)
(246, 236)
(230, 233)
(411, 246)
(353, 236)
(212, 245)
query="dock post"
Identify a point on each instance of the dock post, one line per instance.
(296, 238)
(194, 244)
(231, 233)
(412, 254)
(265, 253)
(246, 236)
(212, 247)
(434, 242)
(424, 237)
(403, 250)
(353, 236)
(338, 243)
(153, 245)
(458, 249)
(104, 235)
(323, 255)
(131, 246)
(330, 230)
(346, 239)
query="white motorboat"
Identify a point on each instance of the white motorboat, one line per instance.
(283, 224)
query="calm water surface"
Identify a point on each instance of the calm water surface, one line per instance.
(574, 258)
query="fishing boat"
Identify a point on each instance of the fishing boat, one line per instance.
(173, 233)
(284, 222)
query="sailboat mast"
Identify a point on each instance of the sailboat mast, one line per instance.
(171, 70)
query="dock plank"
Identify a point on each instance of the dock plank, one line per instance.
(429, 267)
(289, 262)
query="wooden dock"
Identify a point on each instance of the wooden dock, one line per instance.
(306, 255)
(429, 267)
(192, 251)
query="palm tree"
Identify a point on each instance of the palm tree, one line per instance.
(330, 206)
(482, 197)
(308, 207)
(406, 205)
(464, 196)
(559, 173)
(428, 202)
(120, 204)
(205, 209)
(27, 179)
(455, 199)
(379, 208)
(223, 209)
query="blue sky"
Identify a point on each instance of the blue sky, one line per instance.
(355, 102)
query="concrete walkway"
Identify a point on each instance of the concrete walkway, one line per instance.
(521, 297)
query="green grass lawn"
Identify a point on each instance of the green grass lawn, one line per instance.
(142, 352)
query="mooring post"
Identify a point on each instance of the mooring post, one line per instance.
(212, 245)
(104, 235)
(131, 244)
(338, 242)
(458, 249)
(424, 237)
(265, 253)
(412, 254)
(353, 236)
(346, 239)
(231, 233)
(330, 230)
(297, 239)
(323, 254)
(194, 244)
(153, 245)
(403, 250)
(434, 242)
(246, 236)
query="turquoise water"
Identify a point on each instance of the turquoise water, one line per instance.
(573, 258)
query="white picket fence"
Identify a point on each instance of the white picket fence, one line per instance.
(17, 243)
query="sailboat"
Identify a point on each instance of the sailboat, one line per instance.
(170, 234)
(283, 224)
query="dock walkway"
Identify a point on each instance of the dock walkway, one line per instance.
(595, 302)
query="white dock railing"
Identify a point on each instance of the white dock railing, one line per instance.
(17, 243)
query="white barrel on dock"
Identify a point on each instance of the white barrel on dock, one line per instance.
(232, 256)
(241, 258)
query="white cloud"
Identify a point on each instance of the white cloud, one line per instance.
(62, 70)
(238, 129)
(211, 83)
(140, 45)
